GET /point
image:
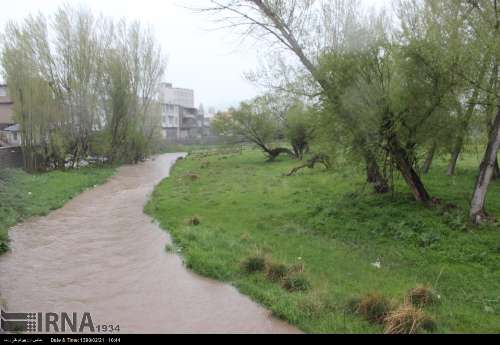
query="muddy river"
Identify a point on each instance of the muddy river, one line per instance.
(101, 254)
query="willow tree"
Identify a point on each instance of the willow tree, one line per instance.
(135, 66)
(35, 104)
(256, 123)
(63, 72)
(484, 18)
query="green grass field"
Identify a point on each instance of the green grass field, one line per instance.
(332, 226)
(23, 195)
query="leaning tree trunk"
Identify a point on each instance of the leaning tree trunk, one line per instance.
(452, 166)
(486, 171)
(429, 159)
(275, 153)
(403, 164)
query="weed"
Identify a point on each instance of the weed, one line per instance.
(254, 264)
(277, 272)
(374, 307)
(408, 319)
(422, 296)
(296, 283)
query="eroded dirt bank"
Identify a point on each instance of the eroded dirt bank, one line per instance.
(101, 254)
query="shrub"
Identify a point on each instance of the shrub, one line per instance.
(192, 177)
(422, 296)
(194, 221)
(408, 320)
(352, 305)
(169, 248)
(254, 264)
(374, 308)
(4, 248)
(277, 272)
(296, 283)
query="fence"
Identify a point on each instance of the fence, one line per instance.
(11, 157)
(207, 140)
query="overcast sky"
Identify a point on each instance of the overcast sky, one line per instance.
(212, 62)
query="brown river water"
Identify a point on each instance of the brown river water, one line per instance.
(101, 254)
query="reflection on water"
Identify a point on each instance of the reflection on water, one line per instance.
(101, 254)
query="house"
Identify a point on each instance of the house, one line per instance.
(10, 135)
(180, 119)
(9, 132)
(6, 106)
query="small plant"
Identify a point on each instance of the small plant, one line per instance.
(422, 296)
(298, 268)
(297, 283)
(254, 264)
(408, 319)
(192, 177)
(374, 308)
(194, 221)
(352, 305)
(277, 272)
(4, 247)
(169, 248)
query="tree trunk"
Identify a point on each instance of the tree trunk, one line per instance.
(452, 166)
(374, 176)
(462, 132)
(275, 153)
(403, 164)
(430, 157)
(496, 174)
(486, 171)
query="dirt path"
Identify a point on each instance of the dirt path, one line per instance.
(101, 254)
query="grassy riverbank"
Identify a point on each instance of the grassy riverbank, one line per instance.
(23, 195)
(224, 209)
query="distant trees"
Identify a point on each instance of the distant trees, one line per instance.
(82, 85)
(254, 122)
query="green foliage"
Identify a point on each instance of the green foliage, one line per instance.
(299, 129)
(252, 121)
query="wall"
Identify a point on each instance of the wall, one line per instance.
(6, 114)
(11, 157)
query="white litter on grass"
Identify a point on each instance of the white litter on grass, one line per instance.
(377, 264)
(30, 194)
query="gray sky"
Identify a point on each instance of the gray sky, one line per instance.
(212, 62)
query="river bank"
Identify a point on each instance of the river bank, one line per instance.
(24, 195)
(232, 215)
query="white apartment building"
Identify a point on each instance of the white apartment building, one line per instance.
(180, 119)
